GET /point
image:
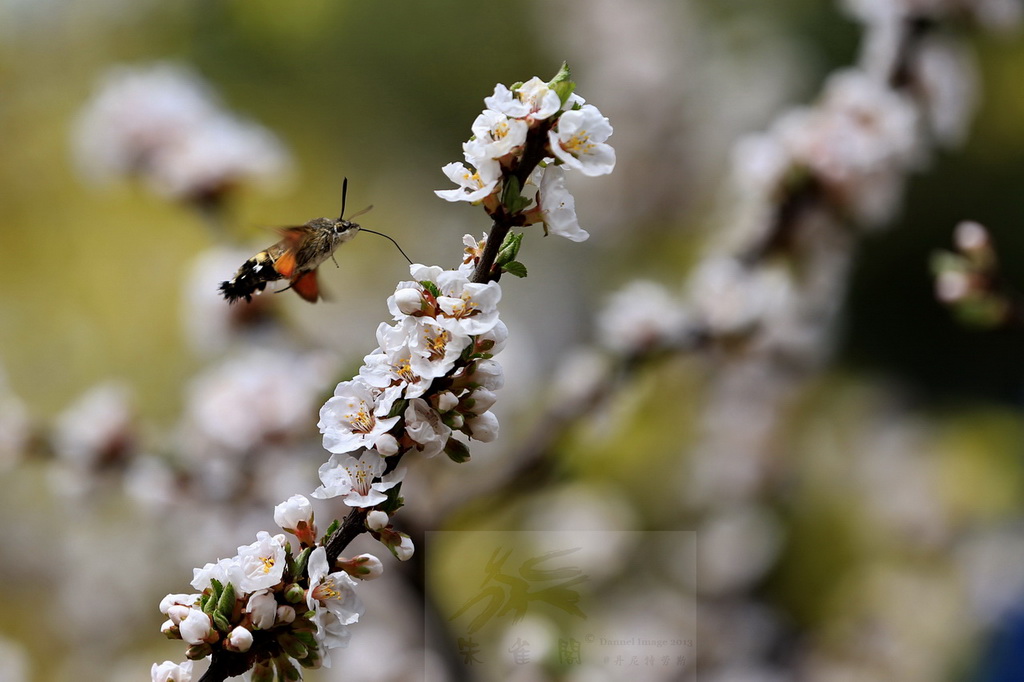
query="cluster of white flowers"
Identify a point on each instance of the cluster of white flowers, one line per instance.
(432, 371)
(163, 123)
(541, 124)
(858, 142)
(267, 592)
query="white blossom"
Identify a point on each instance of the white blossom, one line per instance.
(168, 671)
(355, 479)
(97, 428)
(224, 571)
(163, 123)
(473, 184)
(262, 563)
(496, 135)
(333, 600)
(640, 316)
(534, 100)
(578, 141)
(468, 307)
(356, 416)
(424, 426)
(558, 207)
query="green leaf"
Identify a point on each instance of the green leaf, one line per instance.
(515, 268)
(509, 248)
(335, 525)
(511, 196)
(210, 605)
(398, 408)
(301, 561)
(394, 502)
(221, 623)
(306, 637)
(431, 287)
(457, 451)
(562, 83)
(226, 603)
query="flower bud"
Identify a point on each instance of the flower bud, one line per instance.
(196, 628)
(386, 445)
(170, 630)
(177, 613)
(494, 341)
(263, 672)
(294, 594)
(483, 427)
(239, 639)
(285, 614)
(970, 236)
(198, 652)
(479, 401)
(296, 516)
(446, 401)
(172, 600)
(409, 301)
(488, 374)
(262, 610)
(405, 549)
(362, 567)
(377, 520)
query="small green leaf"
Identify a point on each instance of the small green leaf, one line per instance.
(286, 670)
(509, 248)
(292, 646)
(221, 623)
(331, 529)
(562, 83)
(394, 501)
(398, 408)
(306, 637)
(210, 605)
(226, 603)
(457, 451)
(511, 194)
(431, 288)
(515, 268)
(301, 561)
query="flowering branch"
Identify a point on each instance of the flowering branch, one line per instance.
(273, 610)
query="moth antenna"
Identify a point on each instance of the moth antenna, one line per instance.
(335, 261)
(344, 197)
(381, 234)
(363, 212)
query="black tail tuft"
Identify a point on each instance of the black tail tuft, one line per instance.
(250, 278)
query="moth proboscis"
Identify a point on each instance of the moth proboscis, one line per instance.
(296, 256)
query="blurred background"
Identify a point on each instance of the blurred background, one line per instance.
(146, 428)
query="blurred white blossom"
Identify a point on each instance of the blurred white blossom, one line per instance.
(164, 124)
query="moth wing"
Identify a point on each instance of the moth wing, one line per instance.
(286, 263)
(291, 240)
(306, 286)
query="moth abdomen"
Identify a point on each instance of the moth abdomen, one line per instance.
(250, 278)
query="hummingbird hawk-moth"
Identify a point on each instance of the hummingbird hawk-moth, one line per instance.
(296, 257)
